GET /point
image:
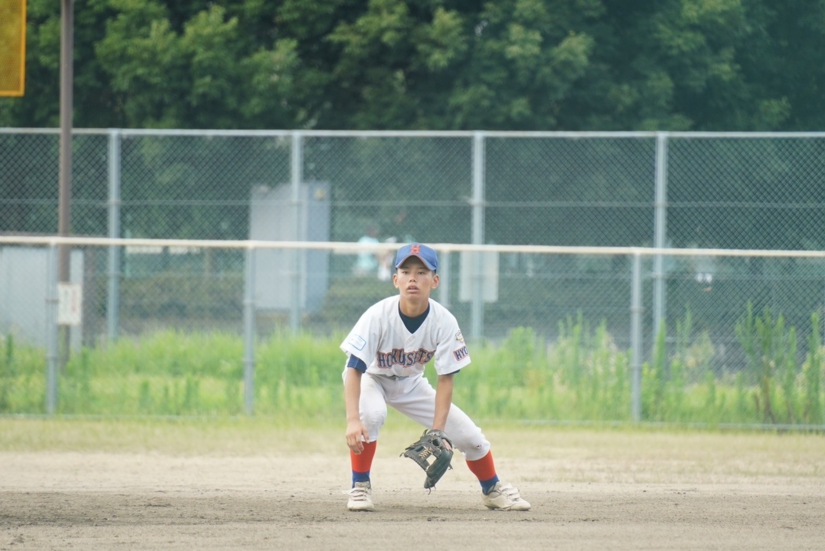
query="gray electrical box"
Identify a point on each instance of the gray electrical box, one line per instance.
(23, 292)
(474, 264)
(274, 216)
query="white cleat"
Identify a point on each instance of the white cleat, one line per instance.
(503, 497)
(360, 497)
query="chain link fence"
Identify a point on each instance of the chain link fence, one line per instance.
(703, 192)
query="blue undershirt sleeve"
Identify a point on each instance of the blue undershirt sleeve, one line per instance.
(356, 363)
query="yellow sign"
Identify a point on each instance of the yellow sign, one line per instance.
(12, 47)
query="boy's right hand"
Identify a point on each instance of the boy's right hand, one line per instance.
(356, 436)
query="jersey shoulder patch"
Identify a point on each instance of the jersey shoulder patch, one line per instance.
(357, 342)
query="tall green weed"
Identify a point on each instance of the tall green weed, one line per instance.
(812, 370)
(22, 377)
(771, 355)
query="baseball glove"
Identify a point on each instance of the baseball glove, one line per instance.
(430, 453)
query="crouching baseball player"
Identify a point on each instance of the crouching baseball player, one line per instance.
(387, 351)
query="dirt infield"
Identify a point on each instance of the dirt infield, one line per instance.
(589, 490)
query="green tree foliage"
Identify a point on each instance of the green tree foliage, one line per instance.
(432, 64)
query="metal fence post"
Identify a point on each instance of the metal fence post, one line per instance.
(444, 279)
(297, 176)
(249, 332)
(636, 339)
(660, 232)
(113, 297)
(477, 202)
(51, 329)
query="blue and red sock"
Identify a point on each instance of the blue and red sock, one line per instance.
(362, 463)
(485, 471)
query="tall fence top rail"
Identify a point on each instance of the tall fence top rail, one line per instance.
(414, 133)
(350, 247)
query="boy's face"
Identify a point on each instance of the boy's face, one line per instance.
(414, 280)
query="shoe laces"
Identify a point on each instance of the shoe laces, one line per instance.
(510, 492)
(359, 493)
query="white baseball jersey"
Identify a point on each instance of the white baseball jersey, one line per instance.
(381, 341)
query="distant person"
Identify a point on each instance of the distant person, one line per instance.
(385, 269)
(368, 261)
(386, 266)
(704, 266)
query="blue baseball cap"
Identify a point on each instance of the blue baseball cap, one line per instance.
(425, 253)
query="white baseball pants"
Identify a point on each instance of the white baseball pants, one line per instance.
(415, 398)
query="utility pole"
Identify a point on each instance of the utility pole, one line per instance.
(64, 217)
